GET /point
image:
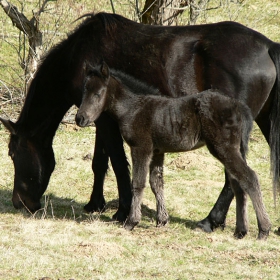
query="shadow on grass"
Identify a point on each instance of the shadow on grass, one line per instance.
(54, 207)
(151, 214)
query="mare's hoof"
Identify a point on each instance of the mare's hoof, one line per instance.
(121, 215)
(95, 207)
(240, 234)
(205, 225)
(130, 225)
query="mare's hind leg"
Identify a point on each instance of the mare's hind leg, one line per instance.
(140, 160)
(156, 182)
(217, 216)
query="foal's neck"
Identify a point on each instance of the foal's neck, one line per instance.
(120, 99)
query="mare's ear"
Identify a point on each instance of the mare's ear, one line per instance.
(9, 125)
(105, 70)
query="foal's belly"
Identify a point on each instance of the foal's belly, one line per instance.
(177, 146)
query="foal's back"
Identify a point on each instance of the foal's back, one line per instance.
(185, 123)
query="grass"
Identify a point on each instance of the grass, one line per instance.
(62, 242)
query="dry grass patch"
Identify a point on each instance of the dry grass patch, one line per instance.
(62, 242)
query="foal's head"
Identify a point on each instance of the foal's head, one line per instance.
(94, 95)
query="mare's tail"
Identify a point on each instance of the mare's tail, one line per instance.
(274, 137)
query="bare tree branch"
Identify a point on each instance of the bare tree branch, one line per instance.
(18, 19)
(30, 29)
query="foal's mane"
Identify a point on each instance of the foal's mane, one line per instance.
(132, 84)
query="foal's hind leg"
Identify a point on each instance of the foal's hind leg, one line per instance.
(156, 182)
(241, 209)
(249, 183)
(247, 178)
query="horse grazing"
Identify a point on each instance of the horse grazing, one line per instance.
(227, 56)
(153, 125)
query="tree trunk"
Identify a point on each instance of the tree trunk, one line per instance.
(30, 28)
(166, 12)
(196, 6)
(161, 12)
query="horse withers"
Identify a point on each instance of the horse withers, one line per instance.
(153, 125)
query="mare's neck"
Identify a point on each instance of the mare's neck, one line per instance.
(44, 108)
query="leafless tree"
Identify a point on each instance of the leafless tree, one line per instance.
(32, 35)
(166, 12)
(162, 12)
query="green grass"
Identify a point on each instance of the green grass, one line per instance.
(63, 242)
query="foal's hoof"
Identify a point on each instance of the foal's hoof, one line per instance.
(130, 225)
(263, 235)
(162, 223)
(240, 234)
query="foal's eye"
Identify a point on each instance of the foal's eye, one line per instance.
(11, 155)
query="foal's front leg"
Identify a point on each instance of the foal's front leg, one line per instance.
(156, 182)
(141, 159)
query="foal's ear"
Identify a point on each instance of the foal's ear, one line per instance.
(11, 126)
(87, 67)
(105, 70)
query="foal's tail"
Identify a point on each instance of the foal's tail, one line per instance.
(274, 137)
(247, 125)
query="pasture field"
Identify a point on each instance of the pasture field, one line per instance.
(63, 242)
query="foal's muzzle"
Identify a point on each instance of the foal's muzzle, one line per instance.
(81, 120)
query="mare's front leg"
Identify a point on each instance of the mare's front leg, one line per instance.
(157, 185)
(99, 168)
(109, 143)
(141, 159)
(217, 216)
(113, 142)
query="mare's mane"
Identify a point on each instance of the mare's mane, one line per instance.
(62, 55)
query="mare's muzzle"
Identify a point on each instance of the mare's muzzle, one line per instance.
(20, 201)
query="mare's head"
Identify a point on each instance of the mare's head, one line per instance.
(94, 95)
(33, 164)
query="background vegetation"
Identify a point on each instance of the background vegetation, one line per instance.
(62, 242)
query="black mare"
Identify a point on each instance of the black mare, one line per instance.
(181, 60)
(153, 125)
